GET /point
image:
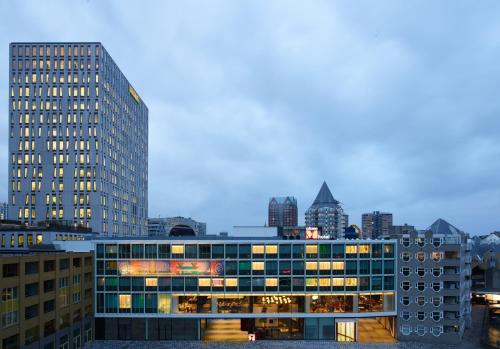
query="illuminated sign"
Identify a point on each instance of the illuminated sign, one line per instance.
(170, 268)
(311, 233)
(134, 94)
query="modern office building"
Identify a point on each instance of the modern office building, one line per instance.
(175, 226)
(4, 211)
(376, 224)
(282, 212)
(78, 139)
(434, 284)
(46, 299)
(327, 215)
(230, 288)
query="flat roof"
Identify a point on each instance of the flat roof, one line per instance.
(230, 238)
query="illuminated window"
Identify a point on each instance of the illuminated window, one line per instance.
(151, 282)
(338, 265)
(324, 282)
(39, 239)
(338, 282)
(311, 265)
(20, 240)
(271, 282)
(324, 265)
(177, 249)
(311, 282)
(351, 281)
(232, 282)
(311, 249)
(271, 249)
(204, 282)
(218, 282)
(164, 302)
(258, 249)
(125, 301)
(257, 265)
(351, 249)
(364, 249)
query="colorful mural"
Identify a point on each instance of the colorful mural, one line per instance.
(170, 268)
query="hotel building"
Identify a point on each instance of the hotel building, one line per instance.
(78, 139)
(230, 288)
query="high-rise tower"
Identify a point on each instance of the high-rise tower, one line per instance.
(326, 214)
(78, 139)
(282, 212)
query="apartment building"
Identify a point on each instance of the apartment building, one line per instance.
(46, 300)
(434, 284)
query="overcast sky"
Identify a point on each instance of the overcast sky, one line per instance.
(395, 104)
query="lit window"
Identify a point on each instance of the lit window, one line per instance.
(218, 282)
(324, 265)
(351, 282)
(204, 282)
(125, 301)
(351, 249)
(271, 282)
(311, 265)
(271, 249)
(39, 239)
(364, 249)
(311, 249)
(436, 256)
(311, 282)
(338, 265)
(164, 302)
(420, 256)
(177, 249)
(338, 282)
(324, 282)
(232, 282)
(151, 282)
(257, 265)
(258, 249)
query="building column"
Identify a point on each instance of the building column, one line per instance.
(355, 303)
(174, 304)
(387, 299)
(213, 305)
(307, 304)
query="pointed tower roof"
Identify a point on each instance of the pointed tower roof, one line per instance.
(440, 226)
(325, 197)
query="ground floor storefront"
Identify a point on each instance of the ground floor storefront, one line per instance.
(366, 329)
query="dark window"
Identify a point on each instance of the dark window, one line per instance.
(137, 251)
(245, 267)
(285, 250)
(88, 261)
(31, 268)
(272, 268)
(10, 270)
(298, 251)
(298, 268)
(77, 262)
(244, 251)
(31, 311)
(49, 266)
(31, 335)
(231, 251)
(31, 289)
(164, 251)
(100, 251)
(325, 251)
(64, 264)
(48, 285)
(190, 251)
(124, 251)
(150, 251)
(49, 328)
(48, 306)
(351, 268)
(124, 283)
(231, 268)
(218, 251)
(338, 251)
(204, 251)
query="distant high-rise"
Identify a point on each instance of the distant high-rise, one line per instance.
(282, 212)
(376, 224)
(326, 214)
(4, 211)
(78, 139)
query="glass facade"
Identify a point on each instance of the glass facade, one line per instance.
(173, 278)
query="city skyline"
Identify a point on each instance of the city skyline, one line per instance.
(222, 107)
